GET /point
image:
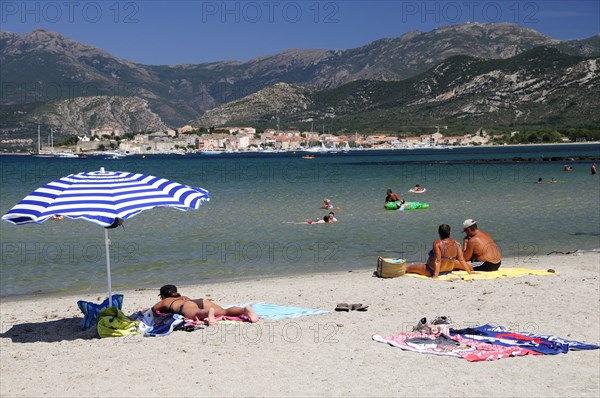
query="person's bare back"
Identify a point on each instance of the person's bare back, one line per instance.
(479, 246)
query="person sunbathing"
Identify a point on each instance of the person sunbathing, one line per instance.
(445, 256)
(198, 309)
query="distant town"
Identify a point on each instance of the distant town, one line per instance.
(188, 139)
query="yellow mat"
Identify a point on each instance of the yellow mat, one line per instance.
(501, 273)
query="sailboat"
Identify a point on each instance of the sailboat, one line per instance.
(51, 154)
(346, 148)
(65, 154)
(40, 153)
(319, 149)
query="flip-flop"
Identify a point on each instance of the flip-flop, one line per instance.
(358, 307)
(442, 320)
(342, 307)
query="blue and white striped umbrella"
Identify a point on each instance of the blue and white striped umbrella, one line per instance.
(105, 198)
(102, 197)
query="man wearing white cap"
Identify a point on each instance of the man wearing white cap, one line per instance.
(480, 248)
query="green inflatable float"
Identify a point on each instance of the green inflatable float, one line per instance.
(406, 206)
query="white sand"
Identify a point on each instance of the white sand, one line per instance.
(44, 353)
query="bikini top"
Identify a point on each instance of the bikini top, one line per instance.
(445, 250)
(174, 301)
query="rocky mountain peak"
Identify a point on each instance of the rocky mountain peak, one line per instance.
(180, 93)
(267, 104)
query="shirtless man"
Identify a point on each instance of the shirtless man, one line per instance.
(327, 219)
(174, 303)
(480, 248)
(391, 197)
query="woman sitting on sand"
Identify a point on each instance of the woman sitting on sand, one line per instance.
(445, 256)
(199, 309)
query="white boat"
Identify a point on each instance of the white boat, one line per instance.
(313, 149)
(51, 153)
(114, 155)
(211, 152)
(43, 154)
(65, 154)
(346, 148)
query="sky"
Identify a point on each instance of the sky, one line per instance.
(158, 32)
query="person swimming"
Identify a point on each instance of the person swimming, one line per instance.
(328, 205)
(329, 218)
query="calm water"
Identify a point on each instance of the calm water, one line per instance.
(247, 228)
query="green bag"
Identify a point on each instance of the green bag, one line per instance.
(113, 323)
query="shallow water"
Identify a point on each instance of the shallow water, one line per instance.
(250, 226)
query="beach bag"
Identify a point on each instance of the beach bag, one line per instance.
(390, 267)
(91, 310)
(113, 323)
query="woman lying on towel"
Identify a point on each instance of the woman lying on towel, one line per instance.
(445, 256)
(199, 309)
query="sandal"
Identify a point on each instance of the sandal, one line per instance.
(342, 307)
(358, 307)
(442, 320)
(422, 326)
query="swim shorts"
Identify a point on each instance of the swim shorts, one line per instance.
(485, 266)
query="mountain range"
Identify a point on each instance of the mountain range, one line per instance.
(538, 89)
(41, 68)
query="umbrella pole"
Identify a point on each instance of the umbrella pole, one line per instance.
(107, 243)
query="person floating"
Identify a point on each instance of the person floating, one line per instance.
(418, 189)
(479, 248)
(200, 309)
(567, 168)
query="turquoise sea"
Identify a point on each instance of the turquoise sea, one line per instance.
(251, 226)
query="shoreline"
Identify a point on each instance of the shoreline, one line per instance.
(364, 149)
(44, 351)
(102, 291)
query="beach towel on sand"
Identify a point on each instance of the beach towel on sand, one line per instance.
(471, 350)
(159, 324)
(501, 273)
(499, 335)
(271, 312)
(153, 324)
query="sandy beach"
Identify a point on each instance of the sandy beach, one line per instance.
(44, 352)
